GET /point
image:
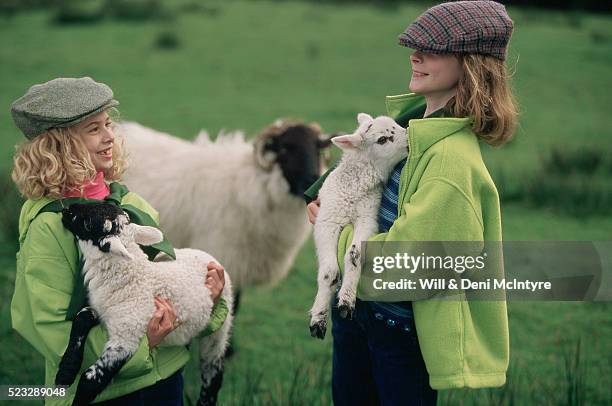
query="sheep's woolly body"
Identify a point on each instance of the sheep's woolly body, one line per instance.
(194, 208)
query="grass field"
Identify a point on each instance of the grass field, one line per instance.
(241, 64)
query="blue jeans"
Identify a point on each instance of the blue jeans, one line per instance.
(166, 392)
(377, 361)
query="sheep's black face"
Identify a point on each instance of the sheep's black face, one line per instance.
(298, 153)
(94, 222)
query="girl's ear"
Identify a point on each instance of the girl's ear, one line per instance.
(363, 118)
(145, 235)
(347, 142)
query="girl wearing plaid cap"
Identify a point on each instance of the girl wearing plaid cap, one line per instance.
(74, 151)
(401, 353)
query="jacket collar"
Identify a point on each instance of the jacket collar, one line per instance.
(423, 133)
(31, 208)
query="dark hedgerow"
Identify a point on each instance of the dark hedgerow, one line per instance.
(138, 10)
(573, 181)
(78, 12)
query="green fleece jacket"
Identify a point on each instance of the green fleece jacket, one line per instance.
(447, 194)
(47, 263)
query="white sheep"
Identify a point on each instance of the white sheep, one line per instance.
(122, 283)
(351, 194)
(242, 201)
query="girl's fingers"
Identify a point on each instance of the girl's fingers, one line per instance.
(221, 274)
(164, 323)
(213, 265)
(212, 280)
(169, 308)
(158, 315)
(173, 313)
(214, 275)
(154, 323)
(165, 314)
(313, 210)
(172, 316)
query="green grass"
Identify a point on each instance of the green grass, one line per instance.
(247, 63)
(277, 358)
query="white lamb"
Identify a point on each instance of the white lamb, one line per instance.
(351, 194)
(122, 283)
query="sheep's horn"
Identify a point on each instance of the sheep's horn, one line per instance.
(265, 159)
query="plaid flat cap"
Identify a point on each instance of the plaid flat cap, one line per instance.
(473, 27)
(61, 102)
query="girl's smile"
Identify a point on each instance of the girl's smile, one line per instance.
(434, 76)
(107, 153)
(418, 74)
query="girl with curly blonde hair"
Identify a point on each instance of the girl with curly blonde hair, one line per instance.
(74, 152)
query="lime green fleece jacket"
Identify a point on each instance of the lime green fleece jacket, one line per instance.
(447, 194)
(47, 263)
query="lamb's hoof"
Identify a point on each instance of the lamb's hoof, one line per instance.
(64, 379)
(318, 329)
(346, 311)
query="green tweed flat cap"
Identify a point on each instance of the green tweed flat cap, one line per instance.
(61, 102)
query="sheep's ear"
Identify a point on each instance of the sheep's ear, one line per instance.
(363, 118)
(145, 235)
(349, 141)
(114, 246)
(325, 141)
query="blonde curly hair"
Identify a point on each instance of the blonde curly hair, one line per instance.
(57, 161)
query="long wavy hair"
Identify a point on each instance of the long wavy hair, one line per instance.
(484, 93)
(57, 161)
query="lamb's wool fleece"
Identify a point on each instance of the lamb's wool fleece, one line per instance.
(351, 195)
(122, 284)
(122, 291)
(198, 187)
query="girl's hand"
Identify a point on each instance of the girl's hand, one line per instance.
(215, 280)
(313, 210)
(162, 323)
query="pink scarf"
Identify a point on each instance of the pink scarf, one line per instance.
(95, 189)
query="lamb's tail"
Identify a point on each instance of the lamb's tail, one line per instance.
(212, 352)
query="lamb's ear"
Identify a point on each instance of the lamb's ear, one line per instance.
(145, 235)
(114, 246)
(363, 118)
(349, 141)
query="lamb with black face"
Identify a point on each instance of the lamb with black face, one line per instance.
(94, 225)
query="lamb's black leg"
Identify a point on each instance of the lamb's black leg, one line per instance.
(230, 348)
(237, 294)
(99, 375)
(71, 361)
(210, 387)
